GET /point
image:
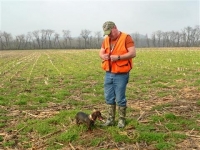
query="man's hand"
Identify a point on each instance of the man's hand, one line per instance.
(105, 56)
(114, 57)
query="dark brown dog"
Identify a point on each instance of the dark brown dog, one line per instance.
(83, 118)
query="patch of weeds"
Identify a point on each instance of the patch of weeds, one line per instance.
(172, 126)
(131, 123)
(96, 141)
(145, 97)
(152, 136)
(47, 94)
(55, 120)
(88, 96)
(1, 138)
(20, 79)
(61, 94)
(44, 127)
(198, 102)
(2, 101)
(74, 86)
(9, 143)
(162, 94)
(87, 89)
(27, 145)
(186, 123)
(21, 102)
(156, 118)
(144, 89)
(30, 107)
(25, 140)
(98, 89)
(41, 126)
(23, 96)
(26, 127)
(198, 116)
(165, 145)
(160, 107)
(117, 136)
(41, 99)
(2, 125)
(97, 100)
(53, 146)
(3, 119)
(93, 140)
(63, 117)
(70, 135)
(170, 116)
(193, 125)
(145, 128)
(174, 123)
(75, 102)
(177, 136)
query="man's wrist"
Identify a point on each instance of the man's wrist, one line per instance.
(119, 57)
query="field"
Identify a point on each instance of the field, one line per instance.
(42, 90)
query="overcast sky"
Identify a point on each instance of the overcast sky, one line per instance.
(131, 16)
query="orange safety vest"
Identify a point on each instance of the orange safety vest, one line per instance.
(119, 66)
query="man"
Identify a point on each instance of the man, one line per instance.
(116, 52)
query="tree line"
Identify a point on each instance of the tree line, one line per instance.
(49, 39)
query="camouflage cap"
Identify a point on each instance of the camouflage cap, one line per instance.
(107, 26)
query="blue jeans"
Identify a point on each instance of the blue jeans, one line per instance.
(115, 88)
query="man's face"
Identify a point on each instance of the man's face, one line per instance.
(111, 35)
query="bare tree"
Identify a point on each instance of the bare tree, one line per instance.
(85, 35)
(165, 39)
(28, 42)
(183, 38)
(188, 31)
(136, 37)
(172, 38)
(79, 42)
(153, 37)
(159, 36)
(178, 36)
(70, 41)
(43, 38)
(90, 42)
(195, 35)
(20, 41)
(49, 33)
(98, 38)
(37, 37)
(147, 40)
(2, 46)
(56, 39)
(67, 37)
(6, 40)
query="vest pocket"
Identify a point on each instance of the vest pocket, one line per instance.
(105, 65)
(121, 66)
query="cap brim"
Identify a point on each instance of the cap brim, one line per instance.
(107, 32)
